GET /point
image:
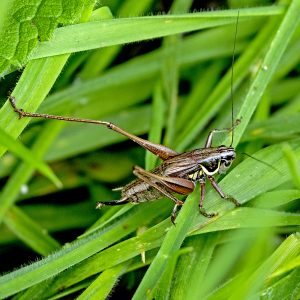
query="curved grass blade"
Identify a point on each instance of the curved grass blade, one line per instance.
(22, 152)
(94, 35)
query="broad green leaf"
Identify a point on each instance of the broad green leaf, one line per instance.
(28, 22)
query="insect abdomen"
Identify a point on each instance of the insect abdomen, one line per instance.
(138, 191)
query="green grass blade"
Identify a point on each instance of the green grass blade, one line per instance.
(102, 286)
(275, 198)
(285, 252)
(94, 35)
(287, 287)
(11, 190)
(35, 83)
(202, 86)
(156, 126)
(101, 58)
(251, 218)
(222, 90)
(269, 65)
(292, 163)
(119, 253)
(22, 152)
(163, 288)
(75, 252)
(171, 244)
(273, 128)
(192, 266)
(30, 232)
(170, 73)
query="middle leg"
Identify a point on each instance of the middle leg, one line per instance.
(221, 193)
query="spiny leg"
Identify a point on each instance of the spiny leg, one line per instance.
(201, 208)
(161, 151)
(221, 193)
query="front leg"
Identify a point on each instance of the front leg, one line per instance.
(214, 131)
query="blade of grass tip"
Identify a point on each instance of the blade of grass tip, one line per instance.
(170, 245)
(23, 153)
(278, 45)
(30, 232)
(156, 124)
(23, 173)
(103, 285)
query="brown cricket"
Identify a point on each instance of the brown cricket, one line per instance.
(178, 174)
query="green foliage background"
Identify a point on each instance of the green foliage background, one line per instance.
(78, 58)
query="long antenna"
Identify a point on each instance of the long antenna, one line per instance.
(231, 84)
(263, 162)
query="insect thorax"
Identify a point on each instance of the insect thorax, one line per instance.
(206, 168)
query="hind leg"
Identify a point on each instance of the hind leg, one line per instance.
(113, 202)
